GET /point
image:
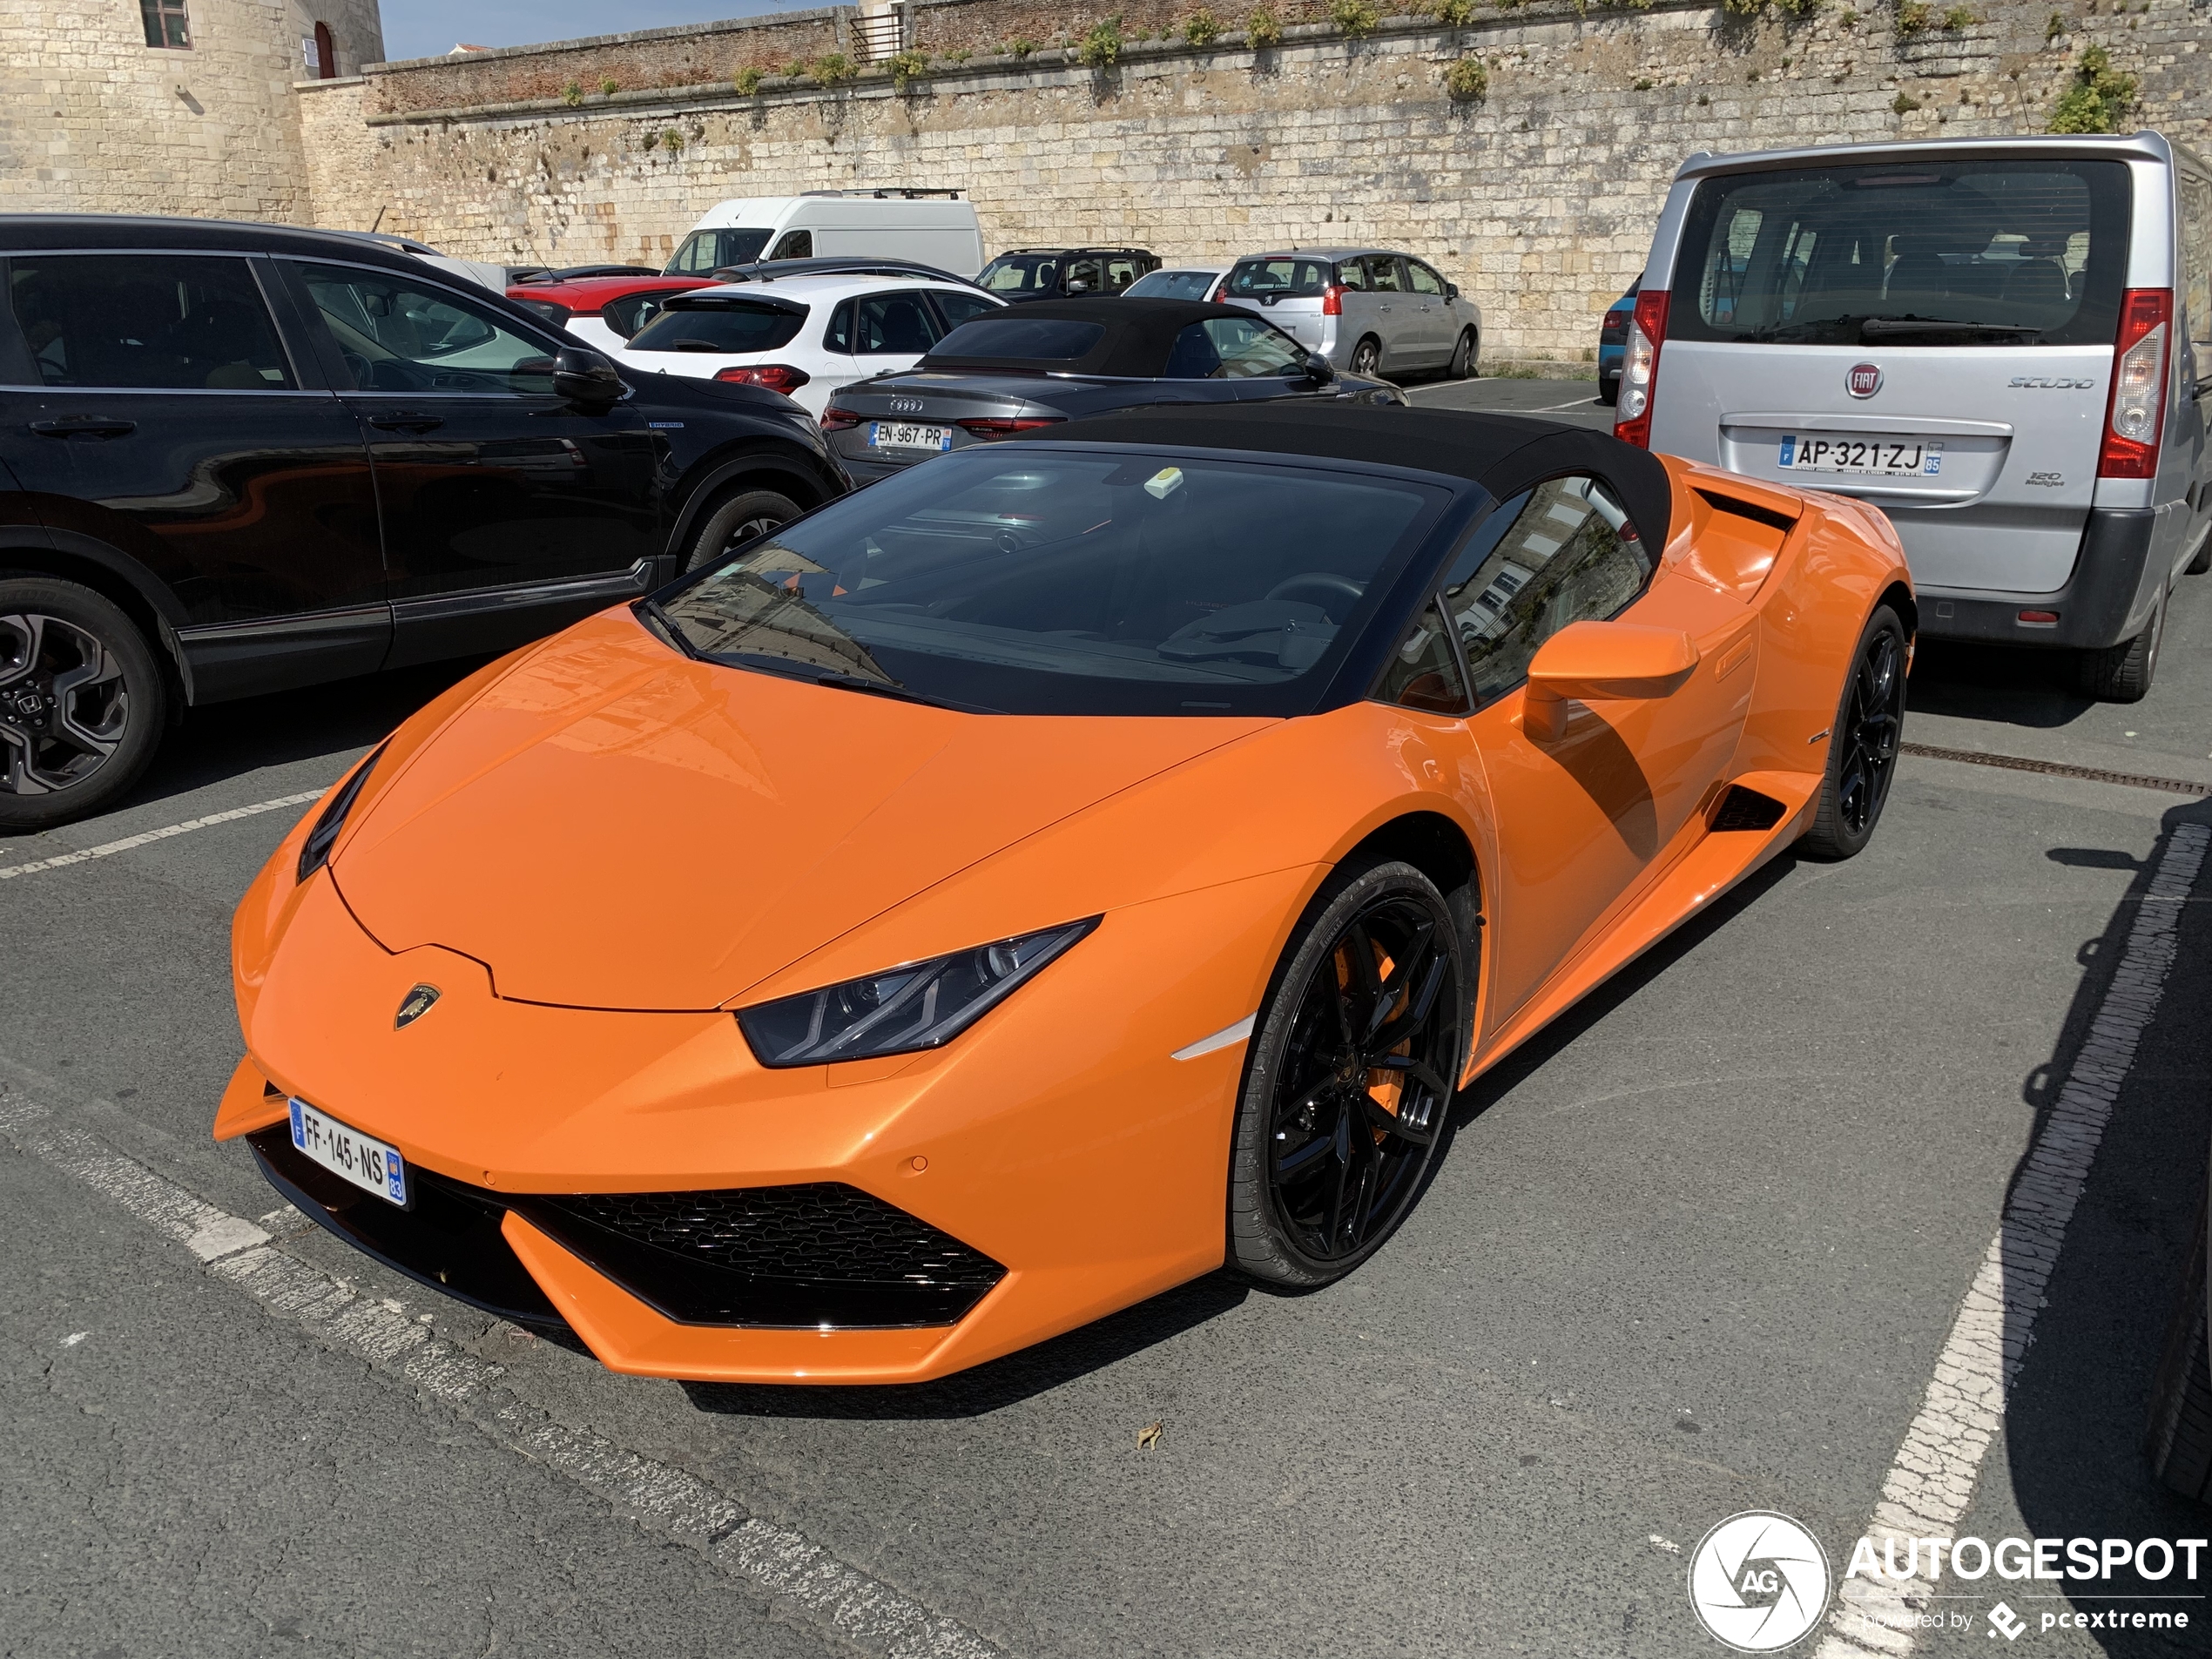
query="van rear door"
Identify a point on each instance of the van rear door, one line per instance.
(1932, 332)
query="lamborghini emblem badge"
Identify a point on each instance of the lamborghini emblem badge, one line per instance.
(416, 1003)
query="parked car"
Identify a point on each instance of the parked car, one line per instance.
(1026, 274)
(807, 337)
(1612, 341)
(1368, 310)
(1035, 366)
(603, 311)
(236, 459)
(2005, 343)
(1111, 825)
(935, 226)
(1179, 282)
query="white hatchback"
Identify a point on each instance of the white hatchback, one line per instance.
(805, 336)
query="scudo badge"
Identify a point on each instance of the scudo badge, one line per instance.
(1864, 380)
(416, 1003)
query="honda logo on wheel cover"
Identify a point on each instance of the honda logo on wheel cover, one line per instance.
(1864, 380)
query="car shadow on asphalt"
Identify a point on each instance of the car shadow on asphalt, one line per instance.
(2003, 685)
(2076, 1412)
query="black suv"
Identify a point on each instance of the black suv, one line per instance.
(1025, 274)
(235, 459)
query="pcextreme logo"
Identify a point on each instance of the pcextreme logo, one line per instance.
(1758, 1581)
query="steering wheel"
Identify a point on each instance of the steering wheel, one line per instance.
(358, 366)
(1320, 581)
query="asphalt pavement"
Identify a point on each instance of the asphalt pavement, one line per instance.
(1699, 1249)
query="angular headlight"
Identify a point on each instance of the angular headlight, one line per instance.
(314, 852)
(903, 1010)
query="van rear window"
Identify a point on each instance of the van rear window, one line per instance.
(1919, 252)
(1265, 279)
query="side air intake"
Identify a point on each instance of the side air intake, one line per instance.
(1747, 809)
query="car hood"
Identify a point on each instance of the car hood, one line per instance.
(611, 826)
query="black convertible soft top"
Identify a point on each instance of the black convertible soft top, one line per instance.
(1139, 334)
(1505, 453)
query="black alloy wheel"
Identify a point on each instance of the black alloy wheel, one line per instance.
(1863, 745)
(738, 522)
(1366, 356)
(1350, 1081)
(1463, 355)
(82, 703)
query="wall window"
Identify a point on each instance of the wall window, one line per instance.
(166, 23)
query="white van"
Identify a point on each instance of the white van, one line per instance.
(2004, 343)
(929, 226)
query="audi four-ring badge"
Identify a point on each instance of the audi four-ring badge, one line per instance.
(1078, 864)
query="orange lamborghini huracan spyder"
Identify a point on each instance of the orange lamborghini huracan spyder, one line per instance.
(1065, 868)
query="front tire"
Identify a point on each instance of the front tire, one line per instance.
(83, 702)
(1366, 356)
(1863, 743)
(2122, 673)
(739, 522)
(1349, 1080)
(1465, 354)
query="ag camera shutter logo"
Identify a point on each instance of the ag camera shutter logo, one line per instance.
(1758, 1581)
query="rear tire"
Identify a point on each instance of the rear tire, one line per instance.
(2179, 1437)
(1465, 355)
(83, 702)
(743, 519)
(1863, 743)
(2122, 673)
(2202, 562)
(1608, 389)
(1330, 1150)
(1366, 356)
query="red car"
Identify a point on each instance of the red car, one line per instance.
(601, 311)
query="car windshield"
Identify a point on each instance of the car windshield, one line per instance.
(1259, 279)
(1021, 273)
(732, 326)
(706, 251)
(1174, 284)
(1043, 579)
(1931, 253)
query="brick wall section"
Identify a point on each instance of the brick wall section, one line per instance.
(1539, 201)
(703, 55)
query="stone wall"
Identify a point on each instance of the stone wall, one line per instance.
(1539, 197)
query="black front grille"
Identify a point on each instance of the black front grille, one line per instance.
(822, 1253)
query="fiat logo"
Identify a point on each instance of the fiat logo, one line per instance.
(1864, 380)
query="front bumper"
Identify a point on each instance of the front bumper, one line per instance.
(2108, 597)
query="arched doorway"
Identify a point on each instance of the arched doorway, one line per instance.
(326, 53)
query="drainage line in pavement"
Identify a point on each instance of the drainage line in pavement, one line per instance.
(2053, 769)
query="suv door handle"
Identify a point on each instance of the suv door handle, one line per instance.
(84, 426)
(407, 420)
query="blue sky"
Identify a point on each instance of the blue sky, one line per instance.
(426, 27)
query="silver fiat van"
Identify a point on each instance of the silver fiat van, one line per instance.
(2005, 343)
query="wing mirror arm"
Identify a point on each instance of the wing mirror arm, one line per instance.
(1589, 662)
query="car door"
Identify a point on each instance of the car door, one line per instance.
(881, 334)
(1433, 333)
(1584, 820)
(163, 415)
(1395, 327)
(506, 511)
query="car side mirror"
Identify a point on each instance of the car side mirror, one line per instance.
(583, 377)
(1076, 285)
(1593, 661)
(1451, 291)
(1311, 365)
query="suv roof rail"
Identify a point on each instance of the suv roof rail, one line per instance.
(905, 192)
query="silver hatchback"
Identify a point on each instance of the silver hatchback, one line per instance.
(1369, 310)
(2004, 343)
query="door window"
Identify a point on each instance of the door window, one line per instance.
(1425, 280)
(796, 245)
(1084, 276)
(1422, 673)
(1352, 274)
(396, 335)
(1562, 552)
(158, 321)
(1382, 275)
(1120, 273)
(957, 308)
(898, 325)
(633, 311)
(1230, 348)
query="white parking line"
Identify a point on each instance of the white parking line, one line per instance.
(147, 838)
(1932, 1479)
(779, 1561)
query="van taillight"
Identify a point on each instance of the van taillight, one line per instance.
(2138, 397)
(1640, 369)
(1332, 301)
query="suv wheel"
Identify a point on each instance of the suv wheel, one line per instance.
(82, 702)
(1366, 356)
(2122, 673)
(745, 518)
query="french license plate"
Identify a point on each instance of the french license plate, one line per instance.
(373, 1165)
(1869, 457)
(899, 434)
